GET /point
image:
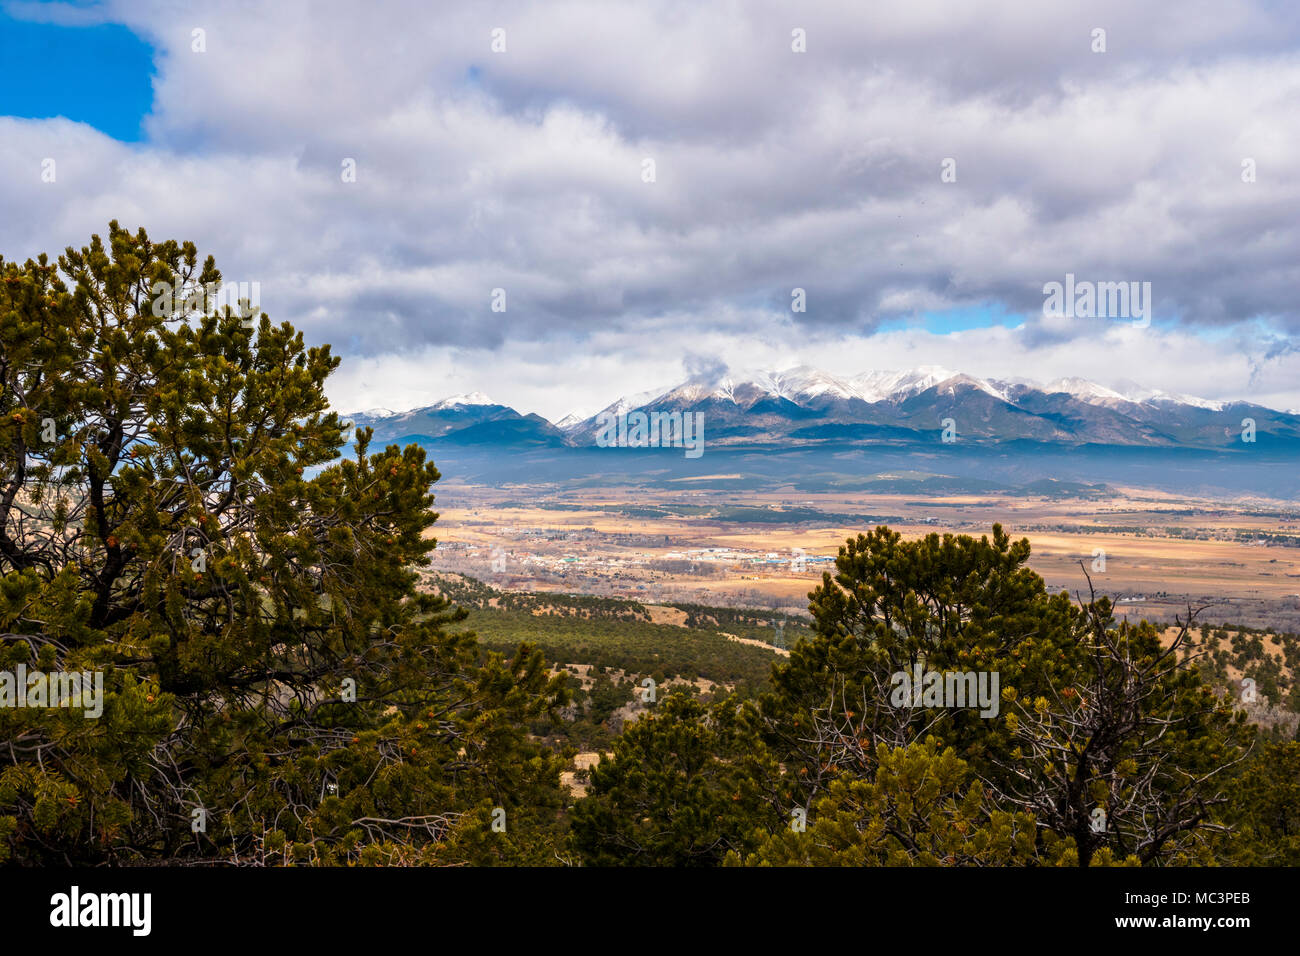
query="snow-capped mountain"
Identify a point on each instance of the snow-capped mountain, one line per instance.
(803, 383)
(744, 388)
(569, 421)
(471, 398)
(471, 418)
(800, 406)
(880, 386)
(803, 405)
(1085, 391)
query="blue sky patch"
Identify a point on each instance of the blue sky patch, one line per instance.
(100, 75)
(956, 320)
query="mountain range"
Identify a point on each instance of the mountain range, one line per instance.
(804, 407)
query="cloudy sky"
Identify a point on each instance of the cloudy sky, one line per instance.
(525, 169)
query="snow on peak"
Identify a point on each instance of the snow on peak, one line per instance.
(882, 385)
(629, 402)
(470, 398)
(997, 389)
(1127, 391)
(726, 385)
(1174, 399)
(799, 381)
(1085, 390)
(803, 381)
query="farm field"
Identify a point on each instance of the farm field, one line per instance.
(1152, 553)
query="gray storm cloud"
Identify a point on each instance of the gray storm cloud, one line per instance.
(524, 170)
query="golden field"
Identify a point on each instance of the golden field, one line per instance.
(1161, 552)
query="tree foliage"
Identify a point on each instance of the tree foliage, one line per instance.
(172, 516)
(1124, 726)
(920, 807)
(684, 785)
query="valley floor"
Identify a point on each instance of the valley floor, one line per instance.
(1154, 553)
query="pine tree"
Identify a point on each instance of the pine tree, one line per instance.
(685, 784)
(920, 807)
(1106, 739)
(173, 516)
(950, 602)
(1264, 809)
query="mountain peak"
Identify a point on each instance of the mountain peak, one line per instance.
(469, 398)
(883, 384)
(1085, 390)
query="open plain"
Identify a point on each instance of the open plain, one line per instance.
(1152, 553)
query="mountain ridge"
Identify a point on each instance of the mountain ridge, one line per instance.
(801, 405)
